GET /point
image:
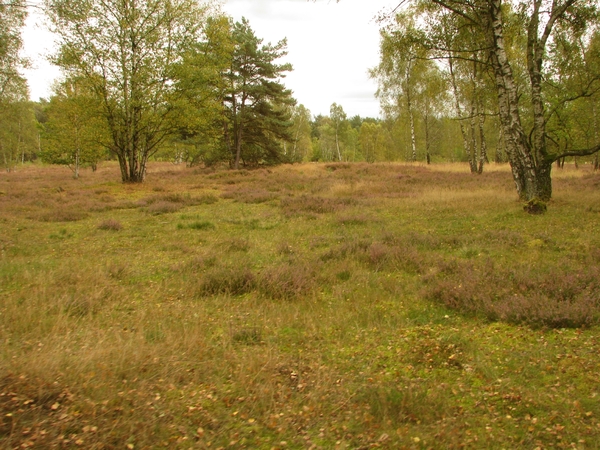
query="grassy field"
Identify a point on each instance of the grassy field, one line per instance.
(301, 307)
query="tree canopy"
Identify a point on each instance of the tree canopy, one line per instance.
(127, 51)
(520, 48)
(256, 102)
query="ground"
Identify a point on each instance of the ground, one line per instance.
(309, 306)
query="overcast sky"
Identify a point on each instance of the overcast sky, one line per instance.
(331, 46)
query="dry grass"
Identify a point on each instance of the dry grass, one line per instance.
(307, 306)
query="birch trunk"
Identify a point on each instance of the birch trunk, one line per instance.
(596, 134)
(532, 181)
(483, 157)
(413, 138)
(473, 144)
(457, 107)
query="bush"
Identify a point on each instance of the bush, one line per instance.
(227, 280)
(380, 256)
(59, 215)
(313, 204)
(110, 225)
(199, 225)
(163, 207)
(555, 299)
(415, 403)
(247, 195)
(288, 280)
(535, 206)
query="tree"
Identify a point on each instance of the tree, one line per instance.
(301, 146)
(373, 141)
(523, 106)
(201, 78)
(396, 73)
(432, 103)
(16, 115)
(75, 132)
(410, 83)
(340, 125)
(17, 133)
(257, 103)
(323, 139)
(127, 51)
(12, 19)
(577, 60)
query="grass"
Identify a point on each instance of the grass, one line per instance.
(307, 306)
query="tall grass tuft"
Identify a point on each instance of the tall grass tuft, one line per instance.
(229, 279)
(289, 280)
(294, 206)
(110, 225)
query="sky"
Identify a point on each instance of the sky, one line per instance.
(331, 46)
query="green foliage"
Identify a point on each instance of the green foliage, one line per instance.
(257, 103)
(75, 132)
(301, 147)
(201, 80)
(574, 124)
(12, 19)
(127, 53)
(236, 108)
(18, 133)
(374, 142)
(17, 127)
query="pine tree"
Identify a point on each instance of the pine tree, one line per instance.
(257, 103)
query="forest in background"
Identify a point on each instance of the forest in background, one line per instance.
(178, 81)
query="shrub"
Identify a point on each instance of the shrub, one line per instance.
(285, 248)
(202, 225)
(380, 256)
(227, 280)
(355, 247)
(247, 336)
(207, 199)
(535, 206)
(335, 166)
(175, 198)
(554, 299)
(110, 225)
(414, 403)
(288, 280)
(313, 204)
(237, 245)
(163, 207)
(60, 215)
(246, 195)
(354, 220)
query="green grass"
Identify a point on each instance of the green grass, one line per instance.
(307, 306)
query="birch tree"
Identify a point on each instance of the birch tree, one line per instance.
(339, 122)
(523, 107)
(75, 133)
(16, 115)
(12, 19)
(409, 82)
(126, 50)
(301, 146)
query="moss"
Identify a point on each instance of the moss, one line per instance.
(535, 206)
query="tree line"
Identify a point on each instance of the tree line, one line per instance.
(144, 77)
(469, 81)
(176, 81)
(530, 66)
